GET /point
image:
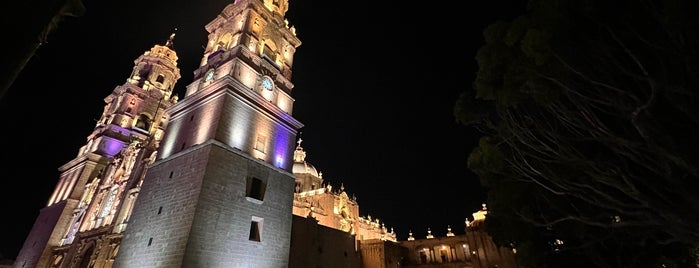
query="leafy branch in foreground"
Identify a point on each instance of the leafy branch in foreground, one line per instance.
(588, 111)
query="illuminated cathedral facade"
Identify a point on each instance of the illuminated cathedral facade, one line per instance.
(331, 207)
(218, 178)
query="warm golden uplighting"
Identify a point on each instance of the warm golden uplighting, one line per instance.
(204, 133)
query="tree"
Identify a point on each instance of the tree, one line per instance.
(588, 111)
(27, 25)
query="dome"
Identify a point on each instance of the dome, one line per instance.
(305, 168)
(300, 164)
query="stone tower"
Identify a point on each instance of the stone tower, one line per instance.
(220, 191)
(83, 221)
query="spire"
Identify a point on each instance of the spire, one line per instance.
(156, 69)
(169, 40)
(299, 153)
(480, 215)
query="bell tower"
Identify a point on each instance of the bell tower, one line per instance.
(220, 192)
(85, 215)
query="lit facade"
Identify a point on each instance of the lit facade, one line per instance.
(90, 207)
(220, 193)
(474, 248)
(218, 178)
(331, 207)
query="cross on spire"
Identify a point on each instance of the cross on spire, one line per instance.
(169, 40)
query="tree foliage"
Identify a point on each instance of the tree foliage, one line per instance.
(590, 125)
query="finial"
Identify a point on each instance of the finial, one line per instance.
(169, 40)
(299, 154)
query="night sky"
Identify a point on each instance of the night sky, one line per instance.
(375, 85)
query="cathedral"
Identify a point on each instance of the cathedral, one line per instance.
(219, 177)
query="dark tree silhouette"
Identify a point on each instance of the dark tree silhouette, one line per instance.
(589, 114)
(26, 25)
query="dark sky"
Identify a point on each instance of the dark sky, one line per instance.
(375, 84)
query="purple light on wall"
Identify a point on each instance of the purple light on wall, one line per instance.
(111, 146)
(279, 162)
(281, 150)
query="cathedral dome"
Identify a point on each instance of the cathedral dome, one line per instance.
(300, 164)
(305, 168)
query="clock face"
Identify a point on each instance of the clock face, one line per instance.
(267, 83)
(209, 75)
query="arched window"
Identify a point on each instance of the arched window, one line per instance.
(86, 260)
(270, 50)
(143, 122)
